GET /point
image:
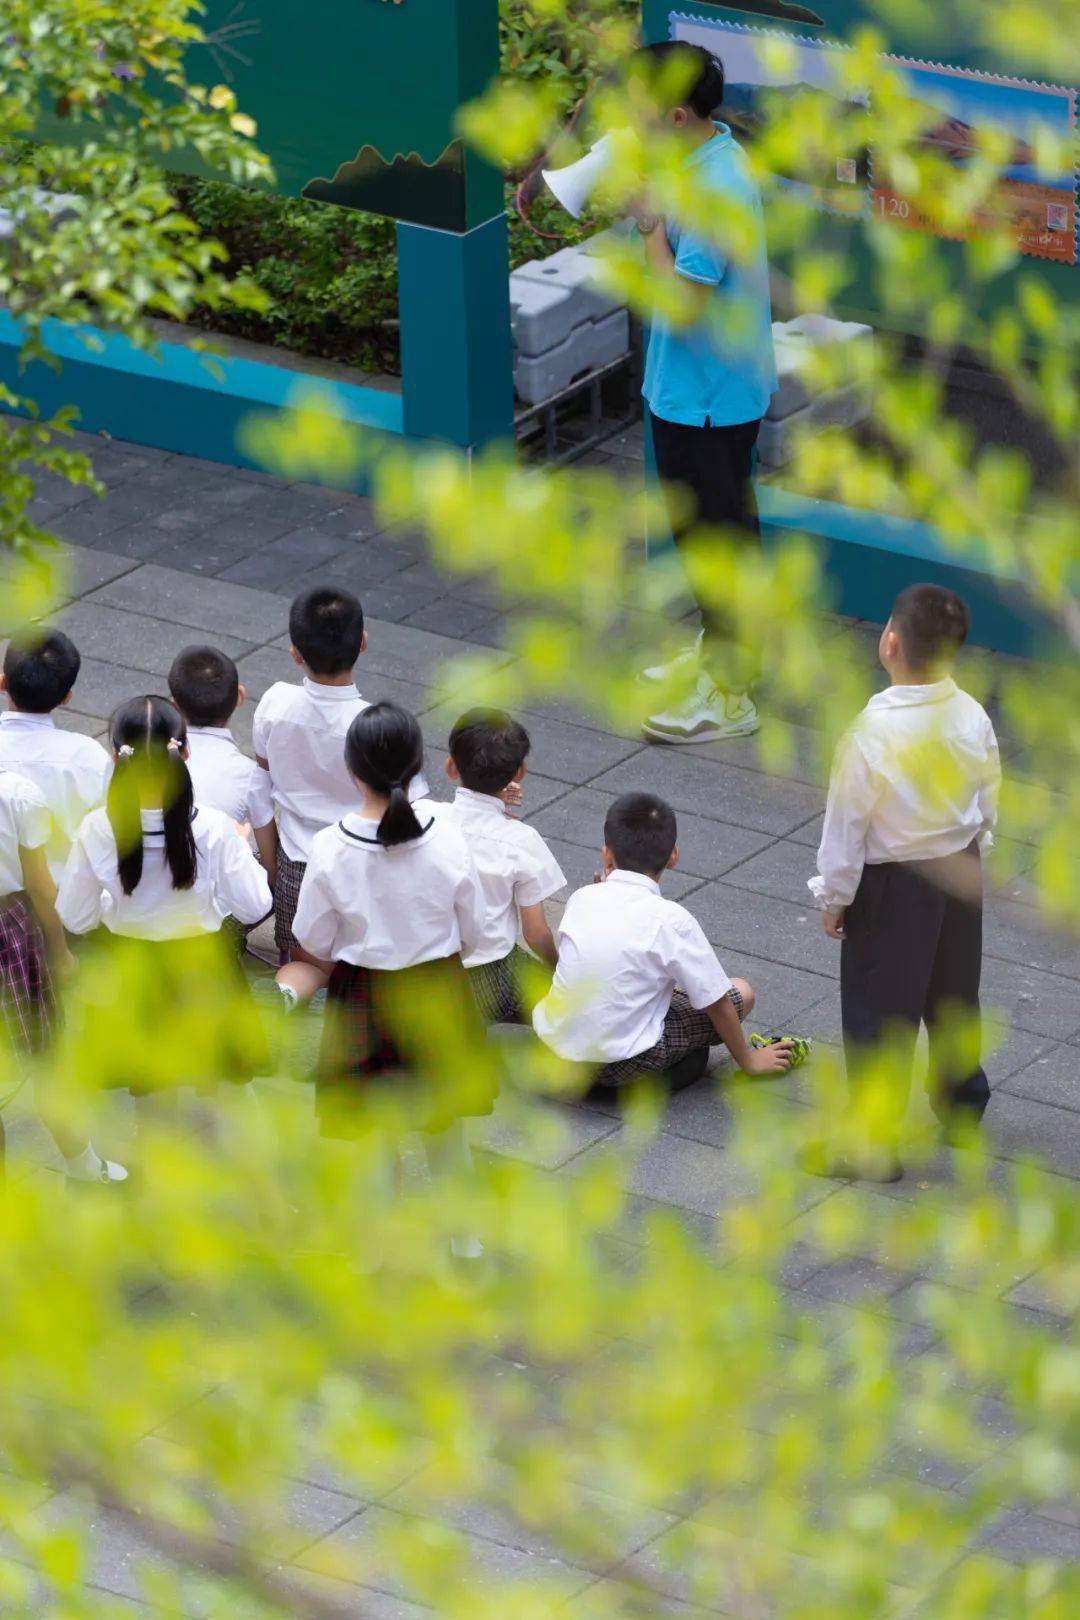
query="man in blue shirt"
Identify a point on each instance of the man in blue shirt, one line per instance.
(709, 374)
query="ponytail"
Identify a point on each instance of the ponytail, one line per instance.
(148, 737)
(384, 750)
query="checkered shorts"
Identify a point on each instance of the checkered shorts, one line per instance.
(290, 875)
(685, 1030)
(27, 1004)
(497, 988)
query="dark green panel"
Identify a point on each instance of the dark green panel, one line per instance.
(355, 100)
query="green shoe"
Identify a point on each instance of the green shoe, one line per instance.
(800, 1048)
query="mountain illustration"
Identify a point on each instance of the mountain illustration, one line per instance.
(404, 187)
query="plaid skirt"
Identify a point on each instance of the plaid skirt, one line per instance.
(685, 1030)
(497, 988)
(290, 875)
(27, 1001)
(152, 1014)
(415, 1030)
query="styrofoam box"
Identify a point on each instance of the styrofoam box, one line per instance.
(573, 270)
(793, 341)
(592, 344)
(541, 315)
(843, 408)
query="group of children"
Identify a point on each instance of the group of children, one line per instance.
(410, 911)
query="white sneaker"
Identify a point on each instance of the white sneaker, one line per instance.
(679, 665)
(90, 1167)
(707, 715)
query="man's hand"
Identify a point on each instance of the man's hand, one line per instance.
(833, 921)
(513, 798)
(774, 1059)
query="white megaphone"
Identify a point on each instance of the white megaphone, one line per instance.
(575, 184)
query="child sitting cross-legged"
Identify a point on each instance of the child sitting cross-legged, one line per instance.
(517, 871)
(638, 988)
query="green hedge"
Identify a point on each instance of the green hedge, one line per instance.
(330, 274)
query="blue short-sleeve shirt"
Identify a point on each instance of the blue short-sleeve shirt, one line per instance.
(721, 370)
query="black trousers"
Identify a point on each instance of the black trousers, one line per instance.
(912, 954)
(709, 469)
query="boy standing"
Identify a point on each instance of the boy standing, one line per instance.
(299, 737)
(517, 871)
(69, 770)
(912, 800)
(638, 987)
(205, 686)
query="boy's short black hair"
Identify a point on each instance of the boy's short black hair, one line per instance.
(932, 624)
(40, 669)
(694, 75)
(205, 686)
(640, 830)
(326, 626)
(488, 747)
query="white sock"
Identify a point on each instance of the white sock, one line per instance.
(85, 1166)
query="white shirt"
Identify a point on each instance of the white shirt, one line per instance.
(24, 824)
(71, 771)
(390, 907)
(300, 732)
(915, 778)
(228, 881)
(514, 865)
(226, 779)
(623, 950)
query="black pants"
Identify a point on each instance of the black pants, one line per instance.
(912, 954)
(712, 466)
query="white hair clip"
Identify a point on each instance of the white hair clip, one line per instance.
(174, 745)
(125, 751)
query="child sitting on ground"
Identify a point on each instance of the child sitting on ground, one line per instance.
(205, 687)
(389, 903)
(517, 871)
(638, 989)
(912, 800)
(69, 770)
(158, 1001)
(299, 737)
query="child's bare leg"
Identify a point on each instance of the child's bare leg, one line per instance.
(304, 977)
(748, 994)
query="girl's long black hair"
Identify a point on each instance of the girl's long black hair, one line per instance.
(384, 749)
(148, 736)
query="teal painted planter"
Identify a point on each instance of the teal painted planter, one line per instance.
(175, 399)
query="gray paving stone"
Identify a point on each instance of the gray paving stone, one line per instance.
(89, 725)
(451, 616)
(363, 1601)
(781, 871)
(192, 511)
(807, 763)
(571, 753)
(735, 920)
(692, 1175)
(1040, 1003)
(386, 599)
(707, 848)
(361, 1544)
(703, 1112)
(96, 523)
(203, 551)
(1053, 1077)
(1027, 1538)
(1020, 1127)
(548, 1142)
(854, 1281)
(211, 606)
(102, 686)
(145, 644)
(1016, 933)
(281, 568)
(87, 568)
(783, 993)
(721, 792)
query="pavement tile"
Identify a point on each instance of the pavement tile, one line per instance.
(781, 871)
(1028, 1538)
(804, 759)
(88, 568)
(1041, 1003)
(280, 568)
(359, 1552)
(550, 1142)
(703, 1112)
(1019, 1127)
(451, 616)
(1016, 933)
(95, 523)
(387, 599)
(364, 1601)
(1052, 1077)
(145, 643)
(200, 604)
(706, 848)
(89, 725)
(101, 687)
(735, 920)
(720, 792)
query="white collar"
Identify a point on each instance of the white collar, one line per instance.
(331, 694)
(360, 831)
(13, 717)
(152, 820)
(906, 697)
(640, 880)
(222, 732)
(480, 804)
